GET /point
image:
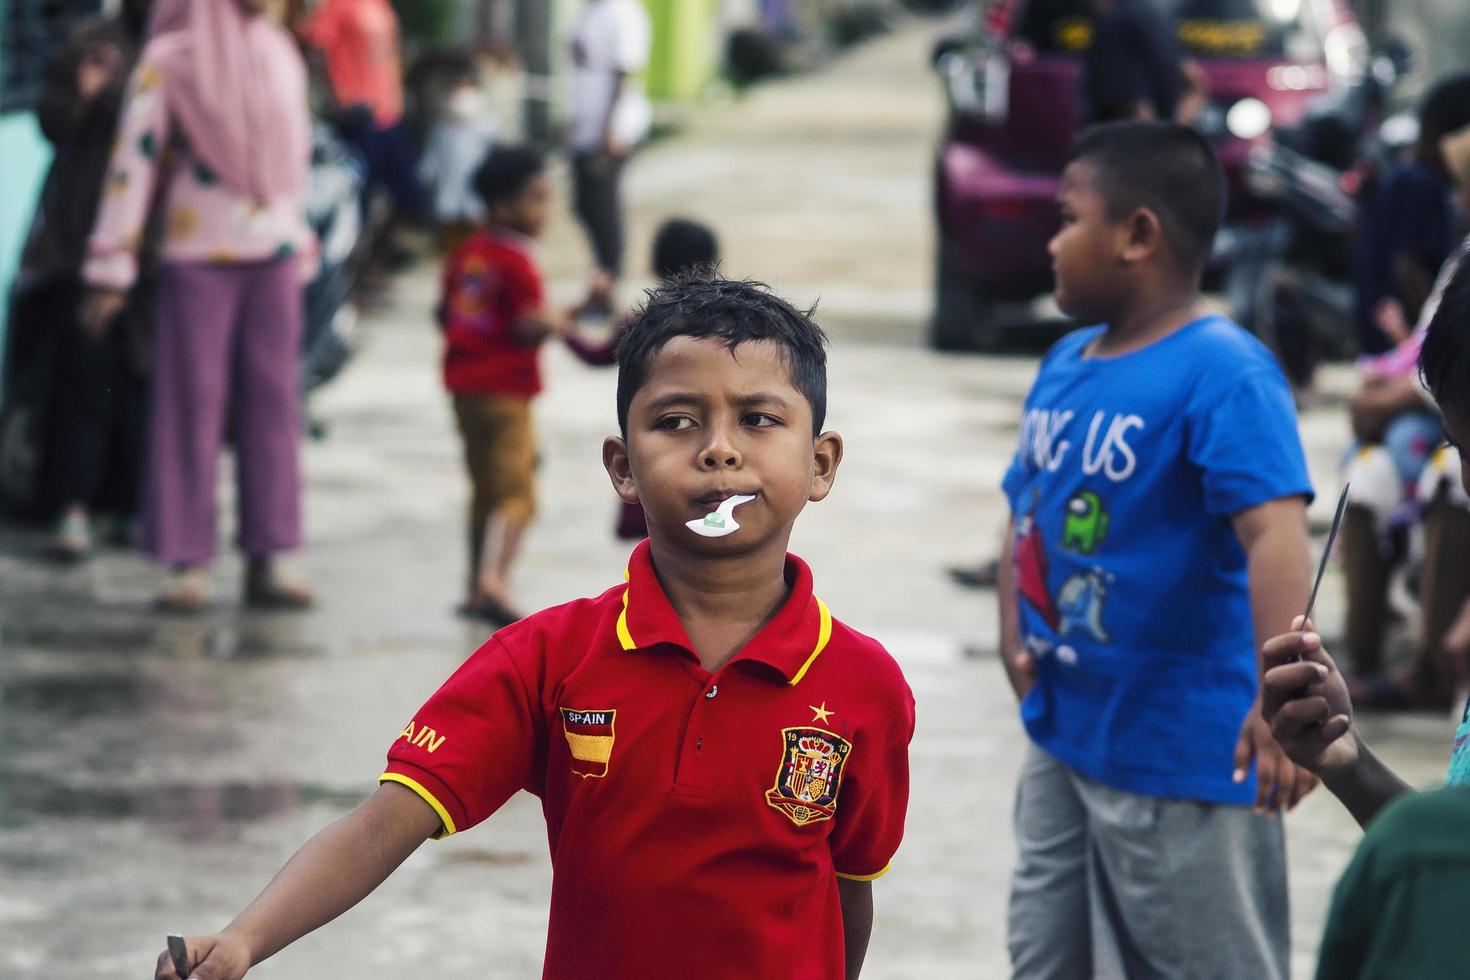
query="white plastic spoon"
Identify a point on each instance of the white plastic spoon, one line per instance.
(721, 521)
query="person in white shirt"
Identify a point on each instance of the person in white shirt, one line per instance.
(609, 116)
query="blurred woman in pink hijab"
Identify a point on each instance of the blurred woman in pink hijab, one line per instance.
(212, 152)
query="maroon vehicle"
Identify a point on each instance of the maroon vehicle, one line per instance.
(1015, 108)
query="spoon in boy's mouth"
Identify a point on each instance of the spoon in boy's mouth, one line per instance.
(721, 521)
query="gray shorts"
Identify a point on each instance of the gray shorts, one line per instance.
(1116, 885)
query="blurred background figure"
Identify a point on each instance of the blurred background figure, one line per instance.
(460, 141)
(359, 41)
(1135, 67)
(216, 114)
(609, 116)
(1407, 512)
(680, 247)
(1408, 226)
(93, 422)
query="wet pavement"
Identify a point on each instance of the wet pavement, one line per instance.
(154, 772)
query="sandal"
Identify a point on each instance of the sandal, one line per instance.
(185, 592)
(279, 589)
(488, 609)
(73, 538)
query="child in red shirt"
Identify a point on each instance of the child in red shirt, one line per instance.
(495, 317)
(722, 764)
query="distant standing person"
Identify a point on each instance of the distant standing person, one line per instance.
(220, 94)
(610, 115)
(98, 390)
(360, 42)
(1136, 68)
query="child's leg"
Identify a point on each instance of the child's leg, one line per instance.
(1185, 889)
(1444, 588)
(1048, 922)
(507, 497)
(472, 414)
(1374, 494)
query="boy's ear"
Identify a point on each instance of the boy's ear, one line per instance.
(1143, 236)
(826, 458)
(619, 468)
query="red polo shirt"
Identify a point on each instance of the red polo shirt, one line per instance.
(698, 822)
(490, 284)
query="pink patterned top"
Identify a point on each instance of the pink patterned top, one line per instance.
(203, 220)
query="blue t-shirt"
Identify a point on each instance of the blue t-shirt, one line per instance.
(1131, 580)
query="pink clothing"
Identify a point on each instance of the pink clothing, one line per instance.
(229, 342)
(236, 86)
(360, 40)
(203, 219)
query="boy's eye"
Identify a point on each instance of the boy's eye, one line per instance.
(673, 423)
(761, 420)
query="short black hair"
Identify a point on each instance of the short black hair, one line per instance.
(1165, 167)
(732, 311)
(506, 172)
(683, 246)
(1444, 361)
(1446, 107)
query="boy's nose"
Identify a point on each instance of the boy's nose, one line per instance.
(725, 458)
(719, 454)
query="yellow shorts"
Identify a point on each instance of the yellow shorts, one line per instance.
(499, 454)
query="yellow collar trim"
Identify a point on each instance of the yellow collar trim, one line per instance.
(624, 637)
(824, 636)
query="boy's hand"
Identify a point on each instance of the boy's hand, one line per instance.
(221, 957)
(1306, 702)
(1021, 669)
(1280, 785)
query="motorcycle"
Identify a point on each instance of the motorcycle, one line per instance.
(1287, 258)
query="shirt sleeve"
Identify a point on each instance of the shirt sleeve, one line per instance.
(1245, 441)
(475, 742)
(320, 29)
(524, 291)
(127, 193)
(634, 39)
(874, 797)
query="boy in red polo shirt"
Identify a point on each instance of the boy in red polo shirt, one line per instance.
(723, 766)
(495, 318)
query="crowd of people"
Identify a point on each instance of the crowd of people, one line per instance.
(170, 252)
(683, 729)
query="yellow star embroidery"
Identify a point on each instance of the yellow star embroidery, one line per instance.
(821, 714)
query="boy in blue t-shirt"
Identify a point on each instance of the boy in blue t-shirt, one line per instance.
(1158, 496)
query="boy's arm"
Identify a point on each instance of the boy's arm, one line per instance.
(1279, 567)
(856, 898)
(1020, 666)
(542, 322)
(1305, 701)
(335, 870)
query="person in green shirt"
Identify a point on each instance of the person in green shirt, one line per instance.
(1398, 910)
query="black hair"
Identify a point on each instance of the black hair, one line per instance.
(506, 172)
(1444, 361)
(732, 311)
(1446, 108)
(1167, 168)
(683, 246)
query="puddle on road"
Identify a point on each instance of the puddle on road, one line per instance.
(74, 695)
(240, 640)
(198, 810)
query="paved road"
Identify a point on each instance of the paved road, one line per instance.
(155, 772)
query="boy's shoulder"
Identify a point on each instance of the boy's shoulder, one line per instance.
(578, 618)
(866, 665)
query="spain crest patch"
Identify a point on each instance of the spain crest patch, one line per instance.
(590, 738)
(810, 775)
